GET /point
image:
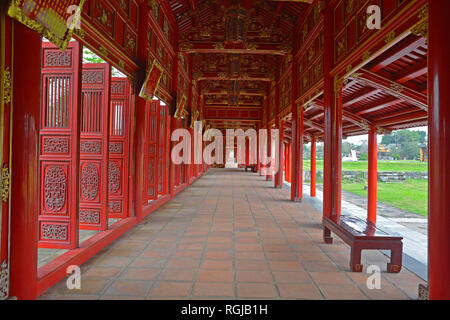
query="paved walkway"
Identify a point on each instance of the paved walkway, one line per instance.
(231, 235)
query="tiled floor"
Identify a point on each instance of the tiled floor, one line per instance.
(231, 235)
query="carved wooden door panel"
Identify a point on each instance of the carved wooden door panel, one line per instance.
(162, 148)
(95, 97)
(152, 145)
(59, 146)
(119, 127)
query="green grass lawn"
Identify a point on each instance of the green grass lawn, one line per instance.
(411, 196)
(383, 166)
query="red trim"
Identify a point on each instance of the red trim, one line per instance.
(55, 270)
(155, 204)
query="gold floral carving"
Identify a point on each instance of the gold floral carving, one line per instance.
(7, 94)
(6, 176)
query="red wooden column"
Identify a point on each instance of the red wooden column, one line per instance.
(140, 134)
(439, 145)
(373, 176)
(269, 154)
(299, 172)
(278, 181)
(313, 167)
(333, 126)
(294, 134)
(25, 149)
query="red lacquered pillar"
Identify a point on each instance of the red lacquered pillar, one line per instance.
(333, 126)
(139, 135)
(25, 154)
(294, 134)
(299, 172)
(439, 153)
(269, 154)
(373, 176)
(278, 181)
(294, 154)
(313, 167)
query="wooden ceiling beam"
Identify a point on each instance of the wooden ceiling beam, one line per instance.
(391, 87)
(398, 52)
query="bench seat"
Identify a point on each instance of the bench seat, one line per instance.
(362, 234)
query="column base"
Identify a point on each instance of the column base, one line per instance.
(298, 200)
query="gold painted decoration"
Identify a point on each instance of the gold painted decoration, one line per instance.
(181, 111)
(6, 176)
(194, 118)
(7, 86)
(54, 20)
(152, 81)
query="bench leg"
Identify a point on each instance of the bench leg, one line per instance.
(355, 259)
(327, 235)
(395, 265)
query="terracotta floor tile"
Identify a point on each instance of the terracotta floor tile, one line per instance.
(253, 276)
(217, 264)
(178, 274)
(101, 272)
(330, 278)
(171, 289)
(215, 276)
(292, 277)
(214, 290)
(183, 263)
(148, 263)
(319, 266)
(244, 264)
(285, 265)
(341, 292)
(112, 261)
(129, 288)
(299, 291)
(140, 274)
(256, 290)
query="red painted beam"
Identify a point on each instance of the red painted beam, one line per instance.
(415, 71)
(391, 87)
(397, 52)
(366, 93)
(411, 116)
(385, 103)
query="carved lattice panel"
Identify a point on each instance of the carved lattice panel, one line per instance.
(94, 146)
(151, 159)
(59, 146)
(119, 127)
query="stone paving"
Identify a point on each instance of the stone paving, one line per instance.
(231, 235)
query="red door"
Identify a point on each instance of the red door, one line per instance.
(95, 97)
(58, 226)
(119, 122)
(151, 145)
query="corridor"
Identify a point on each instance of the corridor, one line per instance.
(231, 235)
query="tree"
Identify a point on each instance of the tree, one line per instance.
(406, 143)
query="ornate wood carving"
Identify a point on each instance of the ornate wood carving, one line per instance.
(89, 181)
(55, 189)
(54, 231)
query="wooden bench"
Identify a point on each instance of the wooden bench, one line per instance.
(362, 234)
